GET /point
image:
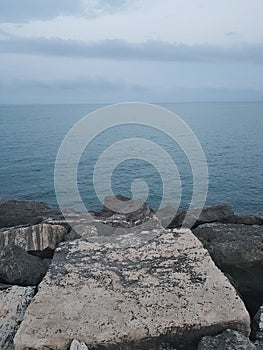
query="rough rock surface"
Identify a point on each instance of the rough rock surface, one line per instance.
(238, 251)
(133, 211)
(228, 340)
(13, 304)
(215, 213)
(257, 325)
(167, 214)
(243, 219)
(146, 290)
(14, 212)
(39, 239)
(69, 218)
(20, 268)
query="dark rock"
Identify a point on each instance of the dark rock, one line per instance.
(20, 268)
(238, 251)
(228, 340)
(4, 286)
(14, 212)
(243, 219)
(257, 326)
(215, 213)
(166, 215)
(132, 211)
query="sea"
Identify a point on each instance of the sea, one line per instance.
(230, 135)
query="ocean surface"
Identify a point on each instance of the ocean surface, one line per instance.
(231, 135)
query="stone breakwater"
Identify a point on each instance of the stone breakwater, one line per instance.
(129, 279)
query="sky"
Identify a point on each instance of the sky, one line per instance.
(98, 51)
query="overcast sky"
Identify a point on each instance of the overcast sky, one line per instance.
(57, 51)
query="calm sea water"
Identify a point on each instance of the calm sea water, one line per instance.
(230, 134)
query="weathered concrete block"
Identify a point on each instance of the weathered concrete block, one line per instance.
(146, 290)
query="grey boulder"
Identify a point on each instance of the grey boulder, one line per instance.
(238, 251)
(133, 211)
(20, 268)
(257, 326)
(195, 218)
(14, 212)
(228, 340)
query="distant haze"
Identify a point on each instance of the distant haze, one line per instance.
(98, 51)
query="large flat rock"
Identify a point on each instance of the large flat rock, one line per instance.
(142, 290)
(13, 304)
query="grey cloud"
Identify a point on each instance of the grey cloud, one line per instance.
(121, 50)
(100, 90)
(85, 90)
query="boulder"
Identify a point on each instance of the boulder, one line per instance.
(14, 212)
(257, 326)
(243, 219)
(134, 211)
(238, 251)
(215, 213)
(20, 268)
(166, 215)
(13, 304)
(149, 290)
(39, 239)
(70, 218)
(97, 228)
(228, 340)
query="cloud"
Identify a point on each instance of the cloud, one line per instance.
(123, 50)
(100, 90)
(94, 89)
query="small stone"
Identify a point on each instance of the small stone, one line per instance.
(76, 345)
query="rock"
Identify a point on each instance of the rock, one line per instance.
(243, 219)
(117, 220)
(215, 213)
(4, 286)
(257, 325)
(238, 251)
(13, 212)
(166, 215)
(20, 268)
(40, 240)
(76, 345)
(13, 304)
(228, 340)
(134, 211)
(148, 290)
(70, 218)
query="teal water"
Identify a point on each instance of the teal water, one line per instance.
(230, 134)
